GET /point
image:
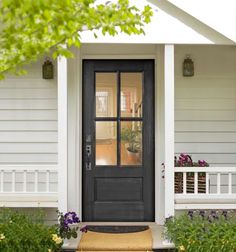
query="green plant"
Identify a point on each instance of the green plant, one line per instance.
(202, 231)
(20, 233)
(30, 29)
(132, 138)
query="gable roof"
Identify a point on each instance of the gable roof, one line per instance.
(170, 24)
(219, 15)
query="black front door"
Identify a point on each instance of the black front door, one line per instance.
(118, 140)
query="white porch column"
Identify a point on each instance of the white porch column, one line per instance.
(62, 133)
(169, 129)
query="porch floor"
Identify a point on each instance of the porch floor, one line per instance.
(159, 244)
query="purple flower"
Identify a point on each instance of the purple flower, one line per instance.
(214, 215)
(202, 213)
(190, 214)
(84, 229)
(70, 218)
(225, 214)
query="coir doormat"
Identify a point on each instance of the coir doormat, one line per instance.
(116, 238)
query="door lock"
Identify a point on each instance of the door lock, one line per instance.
(88, 165)
(88, 150)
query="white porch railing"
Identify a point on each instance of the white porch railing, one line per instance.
(28, 186)
(214, 189)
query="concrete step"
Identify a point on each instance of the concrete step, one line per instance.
(159, 244)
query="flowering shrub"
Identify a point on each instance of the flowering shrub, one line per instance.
(202, 231)
(186, 160)
(66, 227)
(22, 233)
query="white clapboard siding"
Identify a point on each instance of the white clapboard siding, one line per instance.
(205, 105)
(28, 148)
(12, 125)
(28, 137)
(205, 137)
(23, 93)
(219, 93)
(28, 158)
(218, 148)
(206, 115)
(28, 104)
(205, 126)
(28, 119)
(30, 83)
(28, 115)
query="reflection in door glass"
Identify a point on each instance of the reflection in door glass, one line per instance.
(131, 143)
(131, 95)
(106, 143)
(106, 93)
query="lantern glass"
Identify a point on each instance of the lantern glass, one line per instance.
(188, 67)
(47, 69)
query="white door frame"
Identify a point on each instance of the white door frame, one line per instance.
(158, 56)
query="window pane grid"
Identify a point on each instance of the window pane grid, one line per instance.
(119, 119)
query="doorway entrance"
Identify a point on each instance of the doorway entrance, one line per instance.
(118, 140)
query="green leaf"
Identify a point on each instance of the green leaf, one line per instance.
(33, 28)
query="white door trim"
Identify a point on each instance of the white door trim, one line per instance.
(159, 158)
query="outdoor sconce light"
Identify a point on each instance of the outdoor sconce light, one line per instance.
(188, 67)
(47, 69)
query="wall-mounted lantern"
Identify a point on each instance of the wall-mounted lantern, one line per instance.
(188, 67)
(47, 69)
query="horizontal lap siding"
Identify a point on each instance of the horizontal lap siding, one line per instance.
(28, 119)
(205, 105)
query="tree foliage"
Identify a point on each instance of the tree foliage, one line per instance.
(32, 28)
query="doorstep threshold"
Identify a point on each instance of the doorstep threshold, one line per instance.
(159, 243)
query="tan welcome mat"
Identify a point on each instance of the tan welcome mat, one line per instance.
(110, 242)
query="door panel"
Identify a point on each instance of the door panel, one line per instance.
(118, 140)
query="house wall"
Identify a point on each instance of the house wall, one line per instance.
(28, 130)
(205, 108)
(205, 104)
(204, 118)
(28, 118)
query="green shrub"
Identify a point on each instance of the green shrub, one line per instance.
(22, 233)
(201, 231)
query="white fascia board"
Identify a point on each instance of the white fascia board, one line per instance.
(219, 15)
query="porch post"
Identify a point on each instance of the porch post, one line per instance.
(169, 129)
(62, 133)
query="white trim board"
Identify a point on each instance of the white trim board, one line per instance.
(77, 195)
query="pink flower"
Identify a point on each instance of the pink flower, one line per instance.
(201, 162)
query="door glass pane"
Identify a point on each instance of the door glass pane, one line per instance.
(106, 93)
(131, 94)
(106, 143)
(131, 143)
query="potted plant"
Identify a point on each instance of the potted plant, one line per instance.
(132, 139)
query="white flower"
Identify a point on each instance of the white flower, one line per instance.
(2, 236)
